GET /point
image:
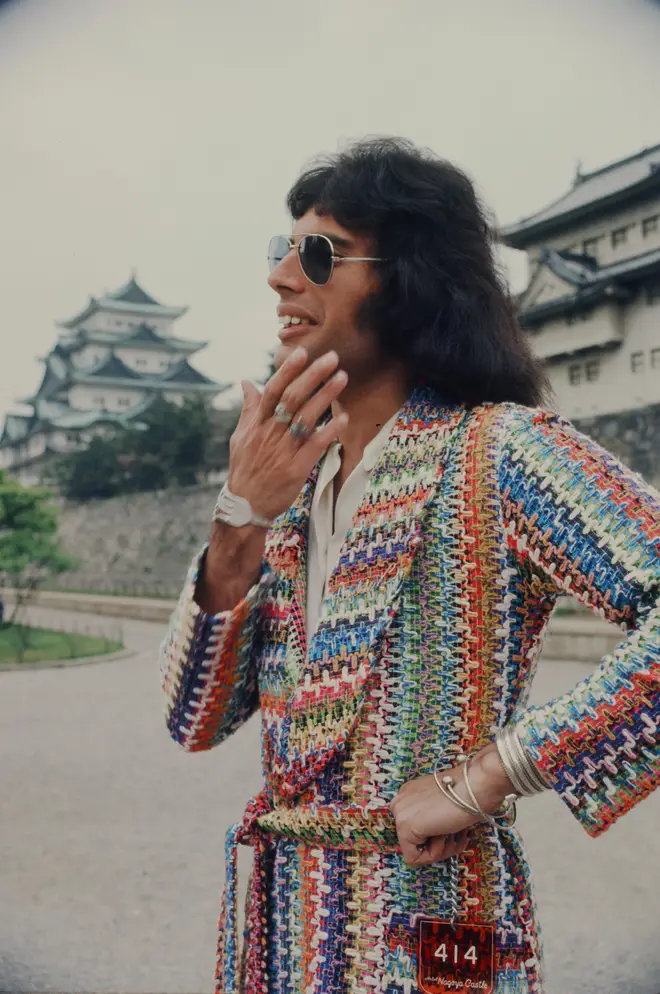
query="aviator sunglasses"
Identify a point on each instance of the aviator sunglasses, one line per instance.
(316, 255)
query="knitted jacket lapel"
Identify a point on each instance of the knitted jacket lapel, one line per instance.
(362, 595)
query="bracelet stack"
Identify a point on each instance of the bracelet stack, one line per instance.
(521, 771)
(505, 816)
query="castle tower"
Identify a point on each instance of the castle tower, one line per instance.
(109, 364)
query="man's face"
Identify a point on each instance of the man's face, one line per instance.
(329, 312)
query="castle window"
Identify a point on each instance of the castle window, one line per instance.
(124, 401)
(593, 369)
(590, 246)
(576, 316)
(575, 374)
(655, 358)
(653, 293)
(141, 362)
(637, 361)
(619, 237)
(650, 225)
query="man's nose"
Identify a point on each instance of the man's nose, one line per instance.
(287, 275)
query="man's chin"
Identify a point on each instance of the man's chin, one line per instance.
(285, 349)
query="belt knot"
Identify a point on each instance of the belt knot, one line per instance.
(347, 827)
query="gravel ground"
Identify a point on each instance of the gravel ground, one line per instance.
(111, 843)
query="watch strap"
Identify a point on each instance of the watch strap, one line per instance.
(226, 505)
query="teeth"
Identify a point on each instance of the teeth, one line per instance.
(286, 320)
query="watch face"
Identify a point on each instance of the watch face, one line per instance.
(234, 510)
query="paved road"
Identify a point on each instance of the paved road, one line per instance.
(111, 844)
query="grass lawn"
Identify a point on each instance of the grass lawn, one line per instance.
(44, 644)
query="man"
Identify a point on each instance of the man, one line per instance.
(399, 520)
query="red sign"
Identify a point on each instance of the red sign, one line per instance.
(455, 958)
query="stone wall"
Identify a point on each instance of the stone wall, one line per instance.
(139, 545)
(633, 436)
(142, 545)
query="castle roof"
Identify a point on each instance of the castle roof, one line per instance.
(132, 293)
(15, 428)
(51, 410)
(587, 283)
(111, 368)
(142, 335)
(617, 184)
(186, 375)
(128, 299)
(59, 374)
(115, 372)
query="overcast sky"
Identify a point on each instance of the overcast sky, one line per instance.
(162, 135)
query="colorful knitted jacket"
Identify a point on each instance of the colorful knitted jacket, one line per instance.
(472, 524)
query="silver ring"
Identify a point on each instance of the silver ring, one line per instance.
(299, 430)
(283, 416)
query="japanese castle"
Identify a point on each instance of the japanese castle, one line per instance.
(110, 363)
(592, 304)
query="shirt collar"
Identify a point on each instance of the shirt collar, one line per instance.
(370, 456)
(374, 448)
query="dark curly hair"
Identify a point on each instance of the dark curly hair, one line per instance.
(442, 307)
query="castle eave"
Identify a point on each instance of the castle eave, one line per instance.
(145, 311)
(593, 194)
(572, 304)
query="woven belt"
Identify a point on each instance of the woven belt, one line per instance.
(335, 827)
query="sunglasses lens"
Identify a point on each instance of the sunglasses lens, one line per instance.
(315, 253)
(278, 249)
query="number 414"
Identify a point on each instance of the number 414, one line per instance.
(470, 954)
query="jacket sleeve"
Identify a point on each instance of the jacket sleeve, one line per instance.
(208, 665)
(590, 528)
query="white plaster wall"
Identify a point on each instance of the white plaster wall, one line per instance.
(29, 476)
(89, 356)
(36, 446)
(174, 398)
(635, 244)
(144, 360)
(601, 327)
(123, 321)
(617, 386)
(59, 440)
(85, 398)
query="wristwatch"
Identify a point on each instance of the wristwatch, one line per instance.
(237, 511)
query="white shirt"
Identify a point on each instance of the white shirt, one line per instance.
(324, 542)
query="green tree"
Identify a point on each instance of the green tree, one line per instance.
(92, 473)
(169, 447)
(169, 444)
(29, 550)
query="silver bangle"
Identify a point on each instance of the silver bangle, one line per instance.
(521, 771)
(535, 775)
(505, 816)
(500, 818)
(517, 777)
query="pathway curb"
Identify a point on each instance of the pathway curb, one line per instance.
(48, 664)
(576, 636)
